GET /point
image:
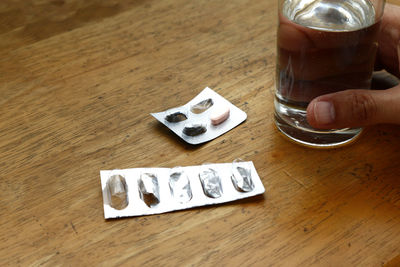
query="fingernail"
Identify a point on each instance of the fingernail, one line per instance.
(324, 112)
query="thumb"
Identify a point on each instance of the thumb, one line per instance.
(355, 108)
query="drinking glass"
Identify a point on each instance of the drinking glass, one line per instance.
(323, 46)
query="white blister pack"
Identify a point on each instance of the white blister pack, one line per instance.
(145, 191)
(202, 119)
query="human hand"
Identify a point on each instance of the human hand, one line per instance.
(356, 108)
(312, 62)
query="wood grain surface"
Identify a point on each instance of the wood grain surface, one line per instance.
(78, 80)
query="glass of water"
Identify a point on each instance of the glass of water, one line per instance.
(324, 46)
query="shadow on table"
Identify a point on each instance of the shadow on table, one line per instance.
(241, 204)
(163, 130)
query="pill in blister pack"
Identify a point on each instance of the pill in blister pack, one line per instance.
(145, 191)
(219, 115)
(202, 119)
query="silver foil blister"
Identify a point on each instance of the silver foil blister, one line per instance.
(117, 191)
(179, 185)
(211, 182)
(148, 189)
(192, 121)
(145, 191)
(241, 176)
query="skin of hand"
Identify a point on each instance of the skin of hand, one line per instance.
(357, 108)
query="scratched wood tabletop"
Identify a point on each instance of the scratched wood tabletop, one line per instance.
(78, 80)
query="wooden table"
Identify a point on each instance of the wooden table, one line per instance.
(78, 80)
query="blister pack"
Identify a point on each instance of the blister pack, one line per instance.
(202, 119)
(145, 191)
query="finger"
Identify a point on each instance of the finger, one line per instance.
(355, 108)
(398, 55)
(389, 40)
